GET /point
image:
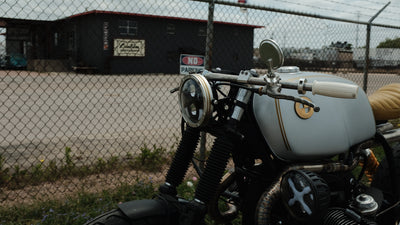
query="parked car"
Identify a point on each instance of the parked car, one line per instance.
(3, 62)
(16, 61)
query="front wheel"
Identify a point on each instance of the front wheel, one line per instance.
(117, 217)
(113, 217)
(223, 207)
(382, 181)
(159, 211)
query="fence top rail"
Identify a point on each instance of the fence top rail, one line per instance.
(251, 6)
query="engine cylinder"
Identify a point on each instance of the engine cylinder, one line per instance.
(340, 216)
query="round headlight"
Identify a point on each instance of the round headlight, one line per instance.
(195, 97)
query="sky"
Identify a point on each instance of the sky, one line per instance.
(361, 10)
(52, 9)
(288, 30)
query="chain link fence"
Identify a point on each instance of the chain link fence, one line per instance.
(85, 86)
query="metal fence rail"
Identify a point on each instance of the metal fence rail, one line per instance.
(65, 117)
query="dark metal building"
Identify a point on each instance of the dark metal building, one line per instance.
(114, 42)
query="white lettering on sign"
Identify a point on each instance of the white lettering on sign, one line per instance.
(191, 64)
(192, 60)
(191, 69)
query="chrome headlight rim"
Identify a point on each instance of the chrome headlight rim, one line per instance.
(207, 97)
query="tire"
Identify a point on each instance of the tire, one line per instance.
(230, 212)
(113, 217)
(254, 191)
(382, 181)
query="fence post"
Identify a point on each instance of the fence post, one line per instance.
(207, 65)
(210, 35)
(367, 61)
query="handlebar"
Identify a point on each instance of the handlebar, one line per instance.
(334, 89)
(325, 88)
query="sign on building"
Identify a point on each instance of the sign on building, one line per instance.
(191, 64)
(105, 35)
(129, 47)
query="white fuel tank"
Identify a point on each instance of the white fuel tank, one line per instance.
(297, 133)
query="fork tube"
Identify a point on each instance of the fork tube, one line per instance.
(241, 101)
(220, 152)
(215, 169)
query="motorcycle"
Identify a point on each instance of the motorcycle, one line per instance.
(295, 139)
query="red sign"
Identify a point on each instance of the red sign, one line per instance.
(242, 1)
(191, 63)
(192, 60)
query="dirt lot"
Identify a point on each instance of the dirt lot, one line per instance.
(98, 116)
(95, 115)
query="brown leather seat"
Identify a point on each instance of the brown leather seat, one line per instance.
(385, 102)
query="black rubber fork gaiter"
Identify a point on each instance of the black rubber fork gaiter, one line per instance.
(215, 169)
(183, 156)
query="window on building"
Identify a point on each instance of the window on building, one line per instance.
(128, 27)
(202, 31)
(170, 29)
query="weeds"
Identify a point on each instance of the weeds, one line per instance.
(68, 158)
(149, 160)
(74, 209)
(84, 206)
(187, 188)
(4, 172)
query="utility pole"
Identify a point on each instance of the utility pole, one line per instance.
(207, 65)
(210, 35)
(358, 28)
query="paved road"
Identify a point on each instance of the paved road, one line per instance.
(98, 116)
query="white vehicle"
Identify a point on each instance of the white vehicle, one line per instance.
(380, 57)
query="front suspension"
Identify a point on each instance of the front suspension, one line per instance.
(180, 163)
(215, 169)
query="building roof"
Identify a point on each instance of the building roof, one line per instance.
(160, 17)
(4, 21)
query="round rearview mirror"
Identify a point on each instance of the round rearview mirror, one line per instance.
(270, 51)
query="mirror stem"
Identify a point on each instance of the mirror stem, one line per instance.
(270, 73)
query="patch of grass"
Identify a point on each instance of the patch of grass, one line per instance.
(150, 159)
(84, 206)
(68, 158)
(187, 188)
(75, 209)
(4, 172)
